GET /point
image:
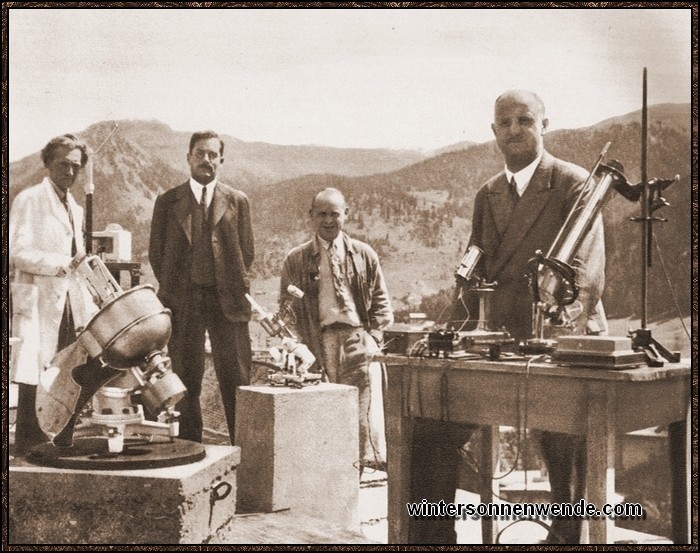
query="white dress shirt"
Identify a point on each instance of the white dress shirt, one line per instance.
(524, 176)
(329, 307)
(197, 190)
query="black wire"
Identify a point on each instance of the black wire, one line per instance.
(670, 285)
(521, 430)
(466, 309)
(543, 524)
(525, 421)
(442, 313)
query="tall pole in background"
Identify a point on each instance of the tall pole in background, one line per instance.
(651, 199)
(90, 189)
(646, 223)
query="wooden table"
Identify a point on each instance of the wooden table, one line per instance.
(597, 403)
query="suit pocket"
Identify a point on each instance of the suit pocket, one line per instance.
(25, 326)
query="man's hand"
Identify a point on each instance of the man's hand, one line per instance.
(355, 350)
(360, 348)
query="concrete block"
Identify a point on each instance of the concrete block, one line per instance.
(298, 448)
(147, 506)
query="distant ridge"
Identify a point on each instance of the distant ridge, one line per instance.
(413, 208)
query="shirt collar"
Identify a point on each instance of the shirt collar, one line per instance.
(62, 194)
(338, 241)
(524, 176)
(197, 187)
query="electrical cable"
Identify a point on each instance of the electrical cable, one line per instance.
(521, 430)
(670, 285)
(528, 364)
(539, 522)
(439, 318)
(466, 309)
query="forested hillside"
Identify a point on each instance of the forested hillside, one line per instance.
(415, 212)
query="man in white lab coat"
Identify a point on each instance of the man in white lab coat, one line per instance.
(48, 303)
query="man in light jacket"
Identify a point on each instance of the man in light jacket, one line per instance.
(48, 304)
(343, 313)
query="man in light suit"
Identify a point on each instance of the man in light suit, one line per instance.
(48, 303)
(516, 213)
(201, 250)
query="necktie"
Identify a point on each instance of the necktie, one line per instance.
(341, 290)
(513, 192)
(73, 247)
(203, 204)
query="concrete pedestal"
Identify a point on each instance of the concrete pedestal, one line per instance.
(181, 504)
(298, 448)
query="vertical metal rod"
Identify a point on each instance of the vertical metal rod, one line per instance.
(89, 189)
(88, 224)
(646, 222)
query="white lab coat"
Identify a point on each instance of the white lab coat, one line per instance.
(40, 245)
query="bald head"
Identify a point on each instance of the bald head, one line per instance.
(522, 97)
(326, 193)
(519, 125)
(328, 212)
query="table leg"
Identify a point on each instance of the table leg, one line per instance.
(488, 486)
(600, 461)
(679, 448)
(398, 443)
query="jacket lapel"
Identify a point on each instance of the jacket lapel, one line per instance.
(353, 257)
(183, 212)
(218, 206)
(76, 214)
(55, 204)
(524, 215)
(499, 200)
(311, 261)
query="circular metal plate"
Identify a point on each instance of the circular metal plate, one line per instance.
(91, 453)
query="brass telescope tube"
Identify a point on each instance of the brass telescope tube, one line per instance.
(556, 285)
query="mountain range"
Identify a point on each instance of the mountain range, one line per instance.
(413, 207)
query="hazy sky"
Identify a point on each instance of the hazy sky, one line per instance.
(350, 78)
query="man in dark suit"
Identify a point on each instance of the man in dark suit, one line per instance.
(201, 250)
(516, 213)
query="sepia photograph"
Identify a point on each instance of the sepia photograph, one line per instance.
(393, 273)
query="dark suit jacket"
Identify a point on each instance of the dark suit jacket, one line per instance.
(510, 240)
(170, 251)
